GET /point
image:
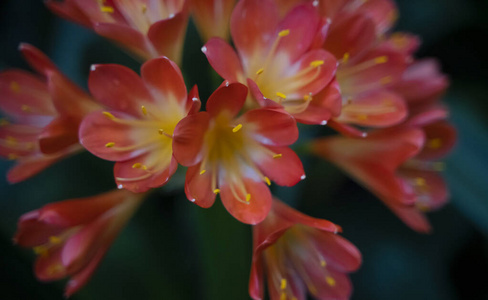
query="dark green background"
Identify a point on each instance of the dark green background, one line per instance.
(174, 250)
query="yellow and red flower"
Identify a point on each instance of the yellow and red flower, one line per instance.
(71, 237)
(137, 129)
(274, 58)
(147, 28)
(297, 253)
(44, 112)
(212, 17)
(237, 156)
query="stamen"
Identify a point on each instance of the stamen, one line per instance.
(323, 264)
(55, 240)
(316, 63)
(307, 97)
(216, 191)
(419, 181)
(248, 197)
(345, 58)
(110, 144)
(283, 296)
(144, 8)
(434, 143)
(284, 32)
(108, 115)
(56, 268)
(12, 156)
(25, 107)
(260, 71)
(136, 166)
(144, 110)
(279, 155)
(162, 132)
(266, 179)
(237, 128)
(381, 59)
(40, 250)
(107, 9)
(202, 172)
(15, 87)
(11, 141)
(362, 117)
(283, 284)
(330, 281)
(281, 95)
(386, 80)
(4, 122)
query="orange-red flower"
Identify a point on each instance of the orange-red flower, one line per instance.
(237, 156)
(147, 28)
(297, 253)
(137, 129)
(274, 58)
(71, 237)
(43, 111)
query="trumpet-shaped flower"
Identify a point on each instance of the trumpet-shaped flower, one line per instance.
(137, 129)
(147, 28)
(237, 156)
(71, 237)
(274, 58)
(399, 165)
(212, 17)
(43, 114)
(298, 253)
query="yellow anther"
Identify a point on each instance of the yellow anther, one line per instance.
(108, 115)
(109, 144)
(4, 122)
(216, 191)
(399, 40)
(420, 181)
(323, 263)
(136, 166)
(144, 8)
(248, 197)
(54, 240)
(386, 80)
(381, 59)
(40, 250)
(107, 9)
(284, 32)
(260, 71)
(29, 146)
(12, 156)
(202, 172)
(422, 207)
(283, 296)
(306, 97)
(25, 107)
(279, 155)
(237, 128)
(161, 131)
(144, 110)
(434, 143)
(268, 182)
(362, 117)
(15, 87)
(283, 284)
(144, 167)
(345, 58)
(56, 268)
(330, 281)
(281, 95)
(316, 63)
(11, 141)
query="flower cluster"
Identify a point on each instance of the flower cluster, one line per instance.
(323, 62)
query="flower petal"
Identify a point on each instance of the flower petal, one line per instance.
(254, 210)
(118, 87)
(223, 59)
(228, 98)
(31, 232)
(188, 138)
(198, 187)
(50, 267)
(36, 59)
(58, 135)
(271, 127)
(338, 252)
(286, 170)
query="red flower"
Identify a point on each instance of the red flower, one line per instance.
(147, 28)
(299, 253)
(137, 130)
(237, 156)
(398, 165)
(44, 113)
(71, 237)
(212, 17)
(274, 58)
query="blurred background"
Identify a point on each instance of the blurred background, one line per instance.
(174, 250)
